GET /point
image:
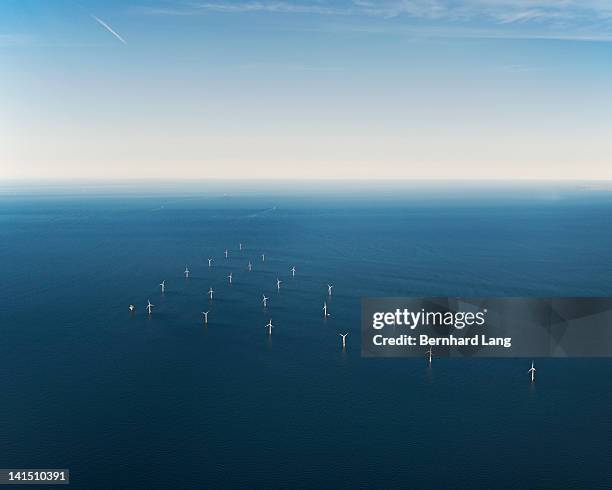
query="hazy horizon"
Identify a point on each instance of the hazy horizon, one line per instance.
(286, 90)
(351, 189)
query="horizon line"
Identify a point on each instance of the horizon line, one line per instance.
(112, 180)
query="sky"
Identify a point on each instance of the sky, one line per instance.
(306, 89)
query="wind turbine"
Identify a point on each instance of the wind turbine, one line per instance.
(250, 266)
(209, 261)
(163, 286)
(329, 289)
(269, 326)
(532, 371)
(226, 253)
(205, 313)
(264, 300)
(186, 272)
(343, 335)
(325, 314)
(241, 246)
(293, 271)
(230, 277)
(210, 293)
(132, 308)
(429, 353)
(278, 283)
(263, 257)
(149, 306)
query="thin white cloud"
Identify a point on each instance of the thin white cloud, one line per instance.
(109, 28)
(14, 40)
(501, 10)
(318, 8)
(524, 19)
(450, 32)
(521, 16)
(519, 68)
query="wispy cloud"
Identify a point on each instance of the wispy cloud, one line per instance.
(456, 31)
(522, 16)
(14, 40)
(318, 8)
(503, 11)
(537, 19)
(518, 68)
(108, 28)
(290, 67)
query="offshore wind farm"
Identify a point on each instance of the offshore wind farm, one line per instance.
(239, 258)
(306, 243)
(207, 372)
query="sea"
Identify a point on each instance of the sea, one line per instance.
(127, 400)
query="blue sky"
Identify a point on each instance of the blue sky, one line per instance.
(477, 89)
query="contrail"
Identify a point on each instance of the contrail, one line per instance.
(108, 28)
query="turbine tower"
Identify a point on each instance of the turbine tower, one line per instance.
(325, 314)
(429, 354)
(532, 371)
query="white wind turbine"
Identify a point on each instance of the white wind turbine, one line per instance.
(149, 307)
(264, 300)
(325, 314)
(429, 354)
(205, 313)
(329, 289)
(293, 271)
(163, 286)
(343, 335)
(532, 371)
(269, 326)
(278, 283)
(186, 272)
(230, 277)
(209, 261)
(210, 293)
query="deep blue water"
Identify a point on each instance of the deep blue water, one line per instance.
(128, 401)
